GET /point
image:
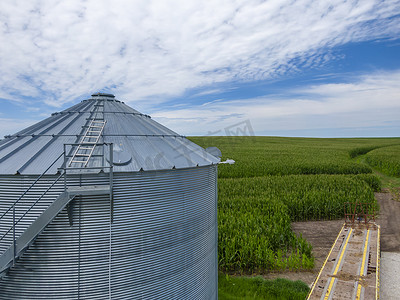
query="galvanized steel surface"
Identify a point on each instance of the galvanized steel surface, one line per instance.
(140, 142)
(162, 243)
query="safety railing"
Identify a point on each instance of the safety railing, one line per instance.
(21, 217)
(12, 209)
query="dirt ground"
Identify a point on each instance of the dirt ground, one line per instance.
(389, 220)
(322, 235)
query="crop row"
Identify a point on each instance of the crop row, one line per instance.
(307, 197)
(255, 235)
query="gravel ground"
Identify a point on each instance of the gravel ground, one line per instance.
(390, 276)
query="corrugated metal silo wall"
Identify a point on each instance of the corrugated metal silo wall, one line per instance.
(162, 243)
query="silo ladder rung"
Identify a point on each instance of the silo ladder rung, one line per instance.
(79, 161)
(85, 149)
(89, 140)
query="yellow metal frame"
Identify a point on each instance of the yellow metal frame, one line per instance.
(359, 286)
(323, 266)
(378, 262)
(333, 279)
(358, 294)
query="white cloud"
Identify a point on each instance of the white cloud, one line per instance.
(11, 126)
(370, 100)
(149, 49)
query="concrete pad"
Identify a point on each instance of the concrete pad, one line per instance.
(390, 276)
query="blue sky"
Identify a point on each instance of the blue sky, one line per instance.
(288, 68)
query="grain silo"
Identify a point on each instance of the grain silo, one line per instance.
(101, 202)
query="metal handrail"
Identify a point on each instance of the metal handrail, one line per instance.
(29, 209)
(103, 166)
(12, 252)
(27, 190)
(12, 207)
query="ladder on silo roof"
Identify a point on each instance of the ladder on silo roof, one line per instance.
(84, 150)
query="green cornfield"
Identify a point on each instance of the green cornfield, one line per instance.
(386, 160)
(307, 197)
(260, 156)
(255, 235)
(276, 181)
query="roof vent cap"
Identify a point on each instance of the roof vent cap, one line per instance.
(103, 95)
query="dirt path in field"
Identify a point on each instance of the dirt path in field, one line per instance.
(389, 220)
(322, 235)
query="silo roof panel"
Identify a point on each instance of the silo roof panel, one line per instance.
(47, 154)
(23, 153)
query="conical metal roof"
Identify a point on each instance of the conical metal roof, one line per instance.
(139, 142)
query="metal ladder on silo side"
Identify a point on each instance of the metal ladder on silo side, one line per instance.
(84, 150)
